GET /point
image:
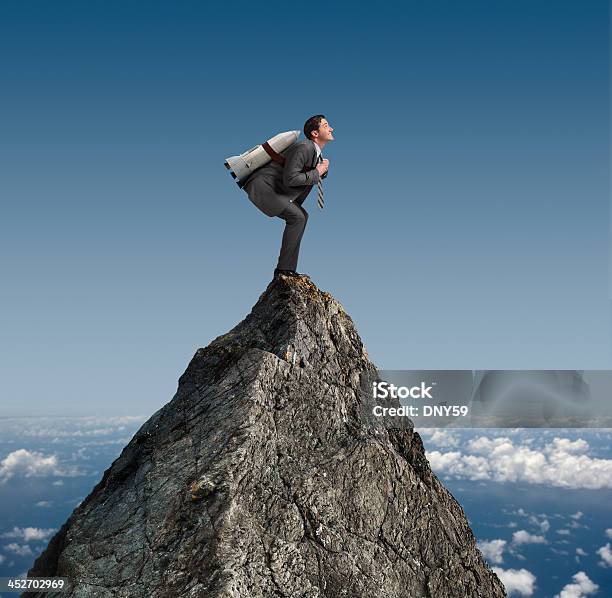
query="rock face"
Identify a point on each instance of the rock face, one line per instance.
(261, 479)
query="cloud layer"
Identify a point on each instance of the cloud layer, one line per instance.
(562, 463)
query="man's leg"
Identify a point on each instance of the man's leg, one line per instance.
(295, 218)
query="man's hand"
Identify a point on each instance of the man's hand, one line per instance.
(323, 166)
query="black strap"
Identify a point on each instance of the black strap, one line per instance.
(274, 155)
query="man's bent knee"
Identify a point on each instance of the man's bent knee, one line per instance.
(295, 217)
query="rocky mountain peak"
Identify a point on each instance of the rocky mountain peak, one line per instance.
(261, 478)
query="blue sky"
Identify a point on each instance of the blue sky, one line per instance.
(467, 213)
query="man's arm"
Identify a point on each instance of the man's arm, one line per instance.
(293, 175)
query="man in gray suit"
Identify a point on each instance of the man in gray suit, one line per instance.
(280, 189)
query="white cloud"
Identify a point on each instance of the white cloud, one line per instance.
(44, 503)
(516, 581)
(524, 537)
(25, 463)
(20, 549)
(605, 552)
(456, 465)
(562, 462)
(439, 437)
(581, 587)
(543, 524)
(493, 550)
(609, 532)
(27, 534)
(563, 532)
(80, 454)
(2, 558)
(577, 515)
(580, 553)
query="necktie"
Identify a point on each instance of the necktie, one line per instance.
(320, 188)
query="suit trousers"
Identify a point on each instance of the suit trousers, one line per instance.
(295, 217)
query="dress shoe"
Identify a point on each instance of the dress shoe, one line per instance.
(278, 272)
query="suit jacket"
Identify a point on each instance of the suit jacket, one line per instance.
(274, 185)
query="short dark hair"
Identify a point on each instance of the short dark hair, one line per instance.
(312, 124)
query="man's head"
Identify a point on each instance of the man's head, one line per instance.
(318, 129)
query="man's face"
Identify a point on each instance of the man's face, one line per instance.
(324, 132)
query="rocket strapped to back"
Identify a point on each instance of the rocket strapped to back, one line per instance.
(241, 167)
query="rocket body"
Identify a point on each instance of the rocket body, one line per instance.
(241, 167)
